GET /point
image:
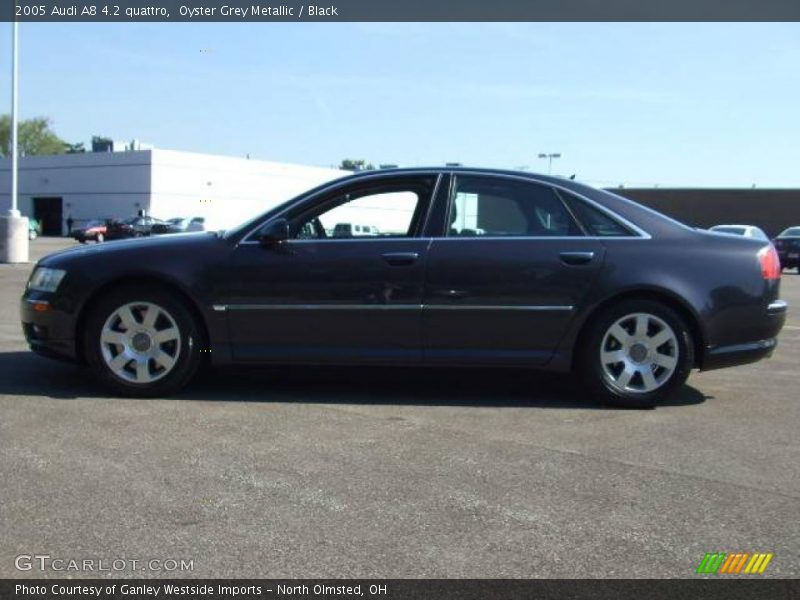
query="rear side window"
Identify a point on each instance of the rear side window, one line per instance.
(595, 222)
(495, 207)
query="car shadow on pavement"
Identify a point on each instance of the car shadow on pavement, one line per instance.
(26, 374)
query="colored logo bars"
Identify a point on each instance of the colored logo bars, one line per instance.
(734, 563)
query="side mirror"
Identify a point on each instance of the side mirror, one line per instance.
(274, 233)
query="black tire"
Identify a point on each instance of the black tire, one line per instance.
(187, 357)
(599, 383)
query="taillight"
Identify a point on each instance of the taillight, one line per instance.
(770, 263)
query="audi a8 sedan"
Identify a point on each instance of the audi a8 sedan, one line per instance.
(461, 267)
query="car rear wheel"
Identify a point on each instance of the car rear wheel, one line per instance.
(142, 341)
(637, 353)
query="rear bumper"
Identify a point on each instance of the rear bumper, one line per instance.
(719, 357)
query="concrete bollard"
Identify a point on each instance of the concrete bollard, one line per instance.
(13, 239)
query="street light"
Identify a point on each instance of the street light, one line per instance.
(550, 158)
(13, 227)
(14, 212)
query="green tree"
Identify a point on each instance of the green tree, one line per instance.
(350, 164)
(35, 137)
(75, 148)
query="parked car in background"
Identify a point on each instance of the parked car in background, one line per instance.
(563, 277)
(788, 246)
(130, 228)
(348, 230)
(34, 228)
(179, 225)
(92, 231)
(748, 231)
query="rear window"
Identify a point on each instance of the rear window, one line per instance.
(791, 232)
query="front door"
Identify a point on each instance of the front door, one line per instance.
(507, 276)
(347, 285)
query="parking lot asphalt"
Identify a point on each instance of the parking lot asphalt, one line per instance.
(396, 472)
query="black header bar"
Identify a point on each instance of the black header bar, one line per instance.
(131, 11)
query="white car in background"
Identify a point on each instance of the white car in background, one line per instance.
(749, 231)
(190, 223)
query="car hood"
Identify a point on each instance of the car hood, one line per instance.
(150, 247)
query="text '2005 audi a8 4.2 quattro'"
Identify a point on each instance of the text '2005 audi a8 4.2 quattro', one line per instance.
(451, 267)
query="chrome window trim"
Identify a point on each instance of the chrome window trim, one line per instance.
(381, 174)
(641, 234)
(476, 238)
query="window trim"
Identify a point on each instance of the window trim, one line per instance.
(330, 192)
(440, 175)
(451, 198)
(637, 232)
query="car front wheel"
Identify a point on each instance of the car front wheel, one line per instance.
(142, 342)
(637, 353)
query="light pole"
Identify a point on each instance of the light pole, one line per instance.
(13, 227)
(550, 156)
(14, 212)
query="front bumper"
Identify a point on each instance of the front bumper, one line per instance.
(48, 330)
(719, 357)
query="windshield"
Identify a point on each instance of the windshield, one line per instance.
(791, 232)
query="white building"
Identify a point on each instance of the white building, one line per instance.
(162, 183)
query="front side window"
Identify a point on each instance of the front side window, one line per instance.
(379, 212)
(495, 207)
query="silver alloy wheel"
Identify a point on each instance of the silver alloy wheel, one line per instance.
(639, 353)
(140, 342)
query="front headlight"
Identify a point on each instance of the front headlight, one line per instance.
(46, 280)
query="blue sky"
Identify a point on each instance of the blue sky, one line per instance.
(640, 104)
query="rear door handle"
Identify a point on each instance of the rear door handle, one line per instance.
(400, 259)
(576, 258)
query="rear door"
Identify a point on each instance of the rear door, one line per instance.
(506, 276)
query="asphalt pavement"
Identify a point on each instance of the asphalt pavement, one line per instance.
(346, 472)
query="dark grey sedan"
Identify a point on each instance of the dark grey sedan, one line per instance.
(458, 267)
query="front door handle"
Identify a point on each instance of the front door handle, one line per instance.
(400, 259)
(576, 258)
